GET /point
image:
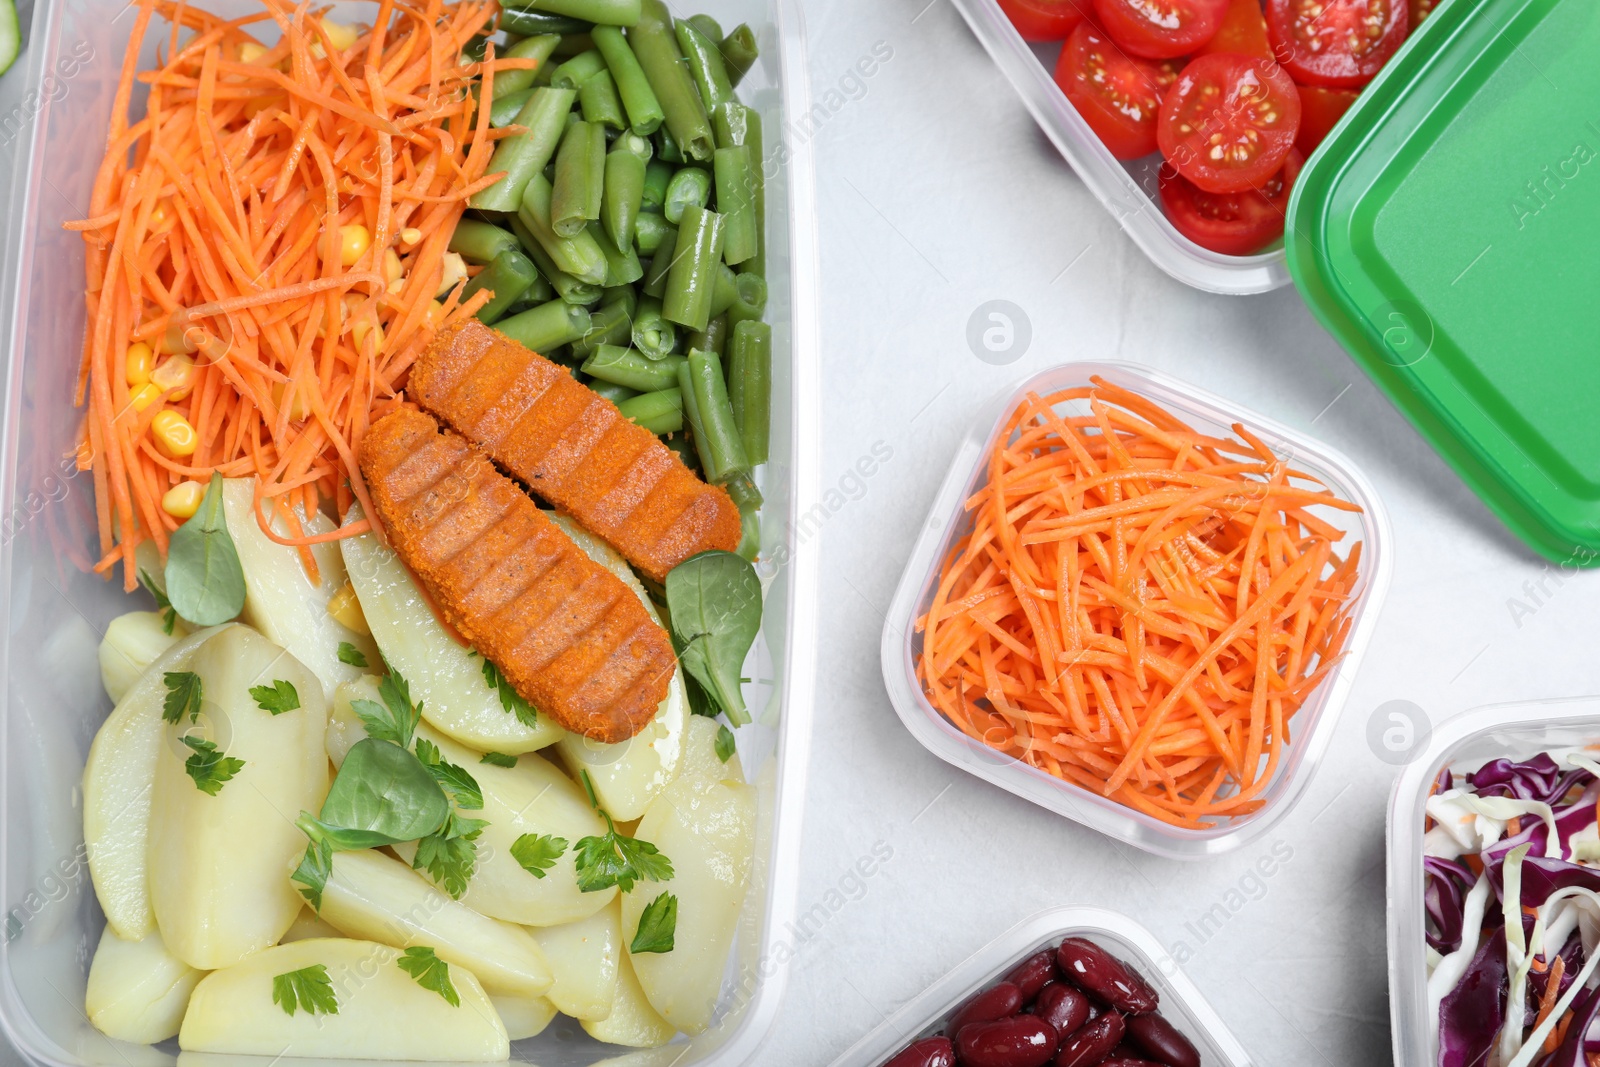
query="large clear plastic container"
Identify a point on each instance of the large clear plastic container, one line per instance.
(1515, 731)
(1128, 190)
(1182, 1003)
(54, 610)
(1312, 726)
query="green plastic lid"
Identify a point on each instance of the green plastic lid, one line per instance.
(1448, 234)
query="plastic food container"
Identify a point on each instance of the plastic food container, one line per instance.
(1181, 1002)
(1517, 731)
(1313, 724)
(1128, 190)
(54, 610)
(1445, 234)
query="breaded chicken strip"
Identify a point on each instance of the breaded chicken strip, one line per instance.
(563, 630)
(572, 447)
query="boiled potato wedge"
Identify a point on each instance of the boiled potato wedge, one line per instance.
(628, 775)
(445, 678)
(117, 794)
(631, 1021)
(138, 991)
(219, 864)
(380, 899)
(306, 925)
(524, 1017)
(533, 797)
(700, 753)
(383, 1013)
(282, 601)
(583, 957)
(133, 642)
(708, 830)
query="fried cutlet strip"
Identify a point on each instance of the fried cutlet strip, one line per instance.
(571, 446)
(564, 631)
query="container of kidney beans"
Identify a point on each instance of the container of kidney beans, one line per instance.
(1069, 987)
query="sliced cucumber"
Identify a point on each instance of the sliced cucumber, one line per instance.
(10, 34)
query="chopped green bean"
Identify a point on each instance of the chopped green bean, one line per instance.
(610, 12)
(624, 188)
(735, 177)
(659, 412)
(655, 276)
(653, 336)
(479, 242)
(650, 230)
(721, 450)
(638, 99)
(750, 386)
(611, 325)
(757, 264)
(747, 498)
(569, 288)
(530, 23)
(693, 274)
(539, 48)
(708, 27)
(578, 255)
(505, 109)
(711, 339)
(682, 443)
(580, 178)
(705, 63)
(622, 265)
(655, 44)
(730, 122)
(657, 176)
(614, 393)
(739, 52)
(750, 299)
(508, 277)
(690, 185)
(577, 70)
(525, 154)
(614, 363)
(574, 44)
(724, 290)
(547, 326)
(600, 103)
(667, 149)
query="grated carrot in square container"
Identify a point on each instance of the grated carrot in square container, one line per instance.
(1139, 609)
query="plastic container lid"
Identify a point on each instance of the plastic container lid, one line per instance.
(1446, 234)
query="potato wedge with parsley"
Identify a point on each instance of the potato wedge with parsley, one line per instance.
(117, 794)
(447, 680)
(524, 1017)
(583, 957)
(229, 776)
(138, 991)
(132, 642)
(344, 999)
(708, 828)
(631, 1021)
(700, 755)
(372, 896)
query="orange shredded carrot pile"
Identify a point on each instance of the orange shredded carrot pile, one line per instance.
(1139, 609)
(214, 229)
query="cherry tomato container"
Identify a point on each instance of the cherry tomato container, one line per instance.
(53, 609)
(1445, 233)
(1182, 1003)
(1517, 731)
(1312, 726)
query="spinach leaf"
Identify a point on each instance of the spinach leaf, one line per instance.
(382, 795)
(205, 583)
(715, 604)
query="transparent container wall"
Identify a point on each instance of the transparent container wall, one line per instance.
(56, 609)
(1515, 731)
(1181, 1002)
(1311, 727)
(1127, 190)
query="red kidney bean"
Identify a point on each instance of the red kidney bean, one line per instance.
(1032, 973)
(1104, 977)
(996, 1003)
(1020, 1041)
(929, 1052)
(1062, 1006)
(1117, 1059)
(1160, 1041)
(1093, 1042)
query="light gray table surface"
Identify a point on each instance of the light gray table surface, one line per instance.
(936, 194)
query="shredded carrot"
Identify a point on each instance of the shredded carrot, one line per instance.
(216, 218)
(1138, 609)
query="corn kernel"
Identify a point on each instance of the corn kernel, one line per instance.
(298, 409)
(452, 273)
(410, 236)
(392, 269)
(144, 396)
(434, 315)
(179, 338)
(250, 51)
(345, 610)
(183, 499)
(341, 34)
(158, 217)
(354, 240)
(174, 436)
(140, 359)
(175, 376)
(362, 330)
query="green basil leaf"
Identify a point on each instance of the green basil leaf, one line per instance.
(384, 795)
(715, 602)
(657, 925)
(205, 582)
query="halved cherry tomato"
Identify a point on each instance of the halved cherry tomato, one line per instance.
(1229, 121)
(1160, 29)
(1243, 30)
(1117, 94)
(1044, 20)
(1235, 224)
(1337, 44)
(1320, 111)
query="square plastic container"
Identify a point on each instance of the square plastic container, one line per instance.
(1313, 724)
(1181, 1001)
(1128, 190)
(54, 610)
(1517, 731)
